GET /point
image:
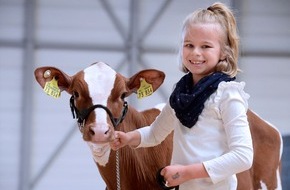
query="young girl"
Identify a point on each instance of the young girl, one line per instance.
(207, 109)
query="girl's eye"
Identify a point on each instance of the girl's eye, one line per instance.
(188, 45)
(205, 46)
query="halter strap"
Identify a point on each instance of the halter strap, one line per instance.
(83, 114)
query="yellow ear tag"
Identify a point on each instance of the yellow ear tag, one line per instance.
(144, 90)
(51, 88)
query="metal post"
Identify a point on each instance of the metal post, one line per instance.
(27, 95)
(132, 42)
(154, 20)
(114, 18)
(133, 35)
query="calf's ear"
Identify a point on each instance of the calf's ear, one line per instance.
(151, 76)
(47, 74)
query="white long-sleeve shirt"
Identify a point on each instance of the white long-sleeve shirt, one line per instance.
(220, 139)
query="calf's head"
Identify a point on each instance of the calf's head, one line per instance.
(98, 96)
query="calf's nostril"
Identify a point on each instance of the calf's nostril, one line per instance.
(107, 131)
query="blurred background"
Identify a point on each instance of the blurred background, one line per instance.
(40, 145)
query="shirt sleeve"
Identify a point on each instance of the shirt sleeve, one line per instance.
(233, 108)
(162, 126)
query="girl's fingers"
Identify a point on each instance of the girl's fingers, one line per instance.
(116, 134)
(115, 144)
(119, 140)
(163, 171)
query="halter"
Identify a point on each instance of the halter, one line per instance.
(83, 114)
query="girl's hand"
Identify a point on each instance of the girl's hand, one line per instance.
(174, 175)
(177, 174)
(121, 140)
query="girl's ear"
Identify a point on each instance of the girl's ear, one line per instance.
(223, 56)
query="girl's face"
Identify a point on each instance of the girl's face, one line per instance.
(202, 49)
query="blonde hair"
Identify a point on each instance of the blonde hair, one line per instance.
(222, 15)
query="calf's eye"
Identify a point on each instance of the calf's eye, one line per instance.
(123, 96)
(76, 94)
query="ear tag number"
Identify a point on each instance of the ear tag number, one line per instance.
(144, 90)
(51, 88)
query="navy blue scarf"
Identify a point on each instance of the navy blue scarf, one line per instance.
(188, 100)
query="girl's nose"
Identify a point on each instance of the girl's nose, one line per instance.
(196, 51)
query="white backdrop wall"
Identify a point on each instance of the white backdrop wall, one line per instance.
(40, 147)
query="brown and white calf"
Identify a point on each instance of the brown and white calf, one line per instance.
(100, 85)
(98, 100)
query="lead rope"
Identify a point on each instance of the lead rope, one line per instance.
(118, 171)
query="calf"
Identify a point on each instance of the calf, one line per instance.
(98, 101)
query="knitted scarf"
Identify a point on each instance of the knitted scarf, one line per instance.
(188, 100)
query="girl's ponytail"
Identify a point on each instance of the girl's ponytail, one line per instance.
(231, 47)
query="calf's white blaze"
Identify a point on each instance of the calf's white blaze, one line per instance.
(100, 79)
